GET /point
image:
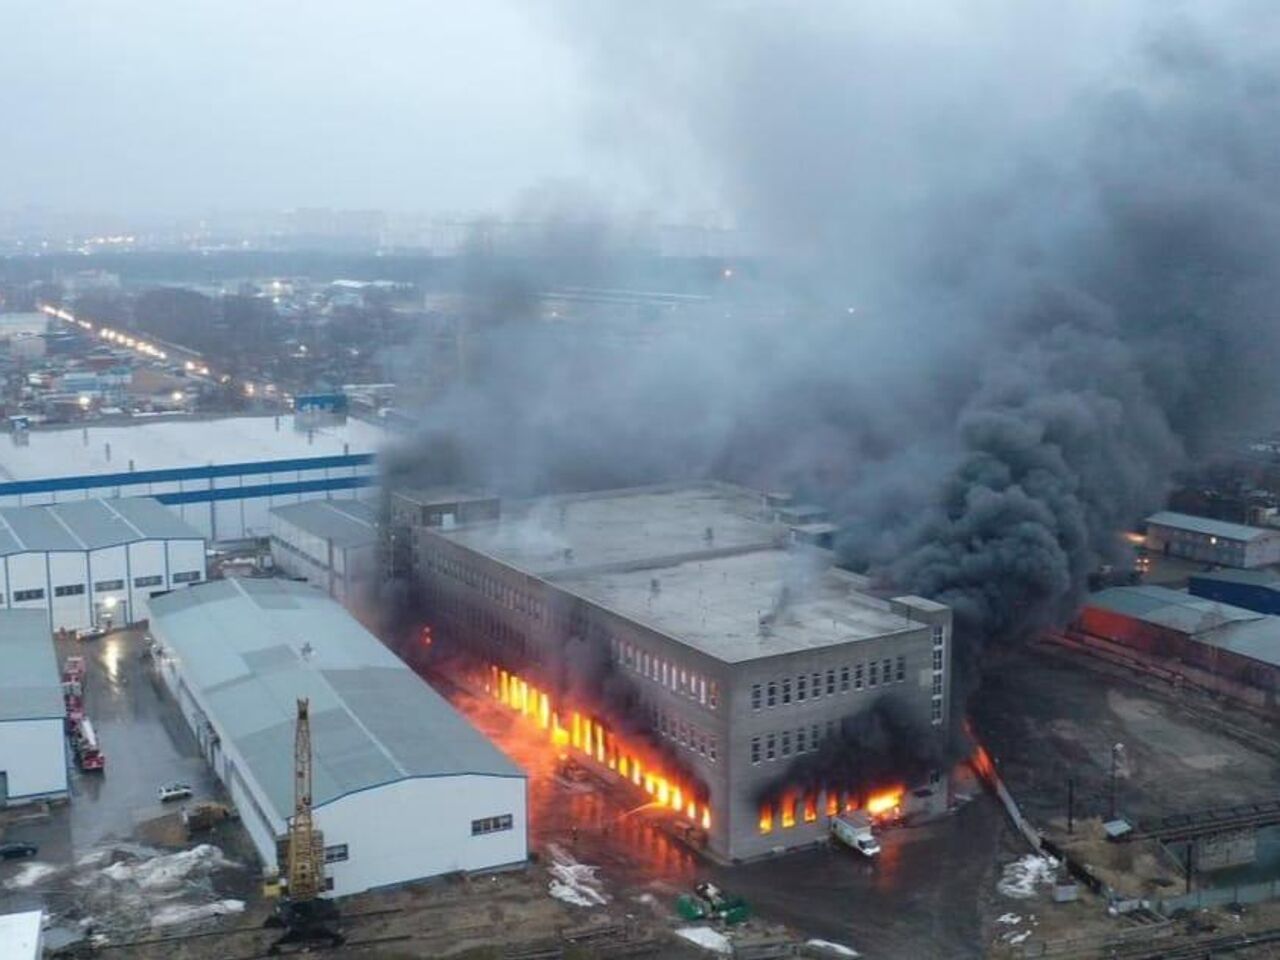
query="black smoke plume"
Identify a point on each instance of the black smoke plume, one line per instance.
(1020, 263)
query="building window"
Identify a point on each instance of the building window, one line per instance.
(712, 749)
(937, 659)
(20, 595)
(936, 710)
(491, 825)
(831, 681)
(937, 634)
(786, 743)
(186, 576)
(770, 747)
(844, 679)
(886, 673)
(755, 749)
(871, 675)
(857, 677)
(900, 669)
(103, 585)
(802, 688)
(756, 696)
(937, 684)
(713, 695)
(786, 691)
(817, 685)
(773, 694)
(147, 581)
(815, 732)
(335, 853)
(69, 590)
(800, 740)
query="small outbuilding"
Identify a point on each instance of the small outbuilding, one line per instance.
(33, 745)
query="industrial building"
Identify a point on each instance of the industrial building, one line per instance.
(331, 543)
(744, 649)
(33, 757)
(222, 476)
(1230, 650)
(403, 787)
(95, 563)
(1257, 590)
(1212, 541)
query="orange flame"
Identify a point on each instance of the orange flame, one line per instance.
(596, 742)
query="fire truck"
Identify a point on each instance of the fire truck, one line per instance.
(84, 741)
(73, 692)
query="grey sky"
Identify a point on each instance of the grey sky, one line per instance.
(156, 106)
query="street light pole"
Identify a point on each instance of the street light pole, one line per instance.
(1116, 751)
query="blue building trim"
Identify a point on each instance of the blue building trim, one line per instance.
(179, 474)
(265, 490)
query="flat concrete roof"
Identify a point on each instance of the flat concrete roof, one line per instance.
(30, 685)
(715, 605)
(346, 523)
(181, 442)
(645, 526)
(251, 648)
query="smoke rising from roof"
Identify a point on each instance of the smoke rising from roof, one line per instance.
(1022, 264)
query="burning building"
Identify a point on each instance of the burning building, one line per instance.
(687, 640)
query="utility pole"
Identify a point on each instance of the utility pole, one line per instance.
(1071, 805)
(1116, 751)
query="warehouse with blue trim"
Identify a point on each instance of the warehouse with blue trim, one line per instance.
(222, 476)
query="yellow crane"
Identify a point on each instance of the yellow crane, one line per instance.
(302, 912)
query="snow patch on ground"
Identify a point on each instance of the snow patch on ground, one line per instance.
(707, 939)
(1020, 878)
(1009, 918)
(574, 882)
(29, 875)
(168, 870)
(836, 949)
(190, 913)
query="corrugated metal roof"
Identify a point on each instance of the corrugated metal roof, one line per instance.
(346, 523)
(1213, 528)
(250, 648)
(30, 685)
(1171, 608)
(90, 524)
(1252, 578)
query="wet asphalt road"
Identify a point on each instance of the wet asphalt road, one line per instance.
(921, 900)
(146, 743)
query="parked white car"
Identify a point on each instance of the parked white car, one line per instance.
(174, 791)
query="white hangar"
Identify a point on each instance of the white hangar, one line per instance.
(403, 787)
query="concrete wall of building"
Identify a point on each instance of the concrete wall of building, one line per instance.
(423, 827)
(80, 589)
(1207, 548)
(699, 707)
(33, 760)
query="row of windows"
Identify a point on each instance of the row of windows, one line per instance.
(803, 739)
(687, 683)
(491, 825)
(78, 589)
(685, 734)
(812, 686)
(935, 704)
(522, 601)
(478, 623)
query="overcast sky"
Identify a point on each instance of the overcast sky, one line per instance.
(157, 106)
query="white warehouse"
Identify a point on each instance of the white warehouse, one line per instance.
(33, 759)
(403, 787)
(95, 562)
(331, 543)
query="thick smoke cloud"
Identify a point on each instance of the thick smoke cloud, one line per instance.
(1022, 266)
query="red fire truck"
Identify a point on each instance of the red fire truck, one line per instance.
(84, 741)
